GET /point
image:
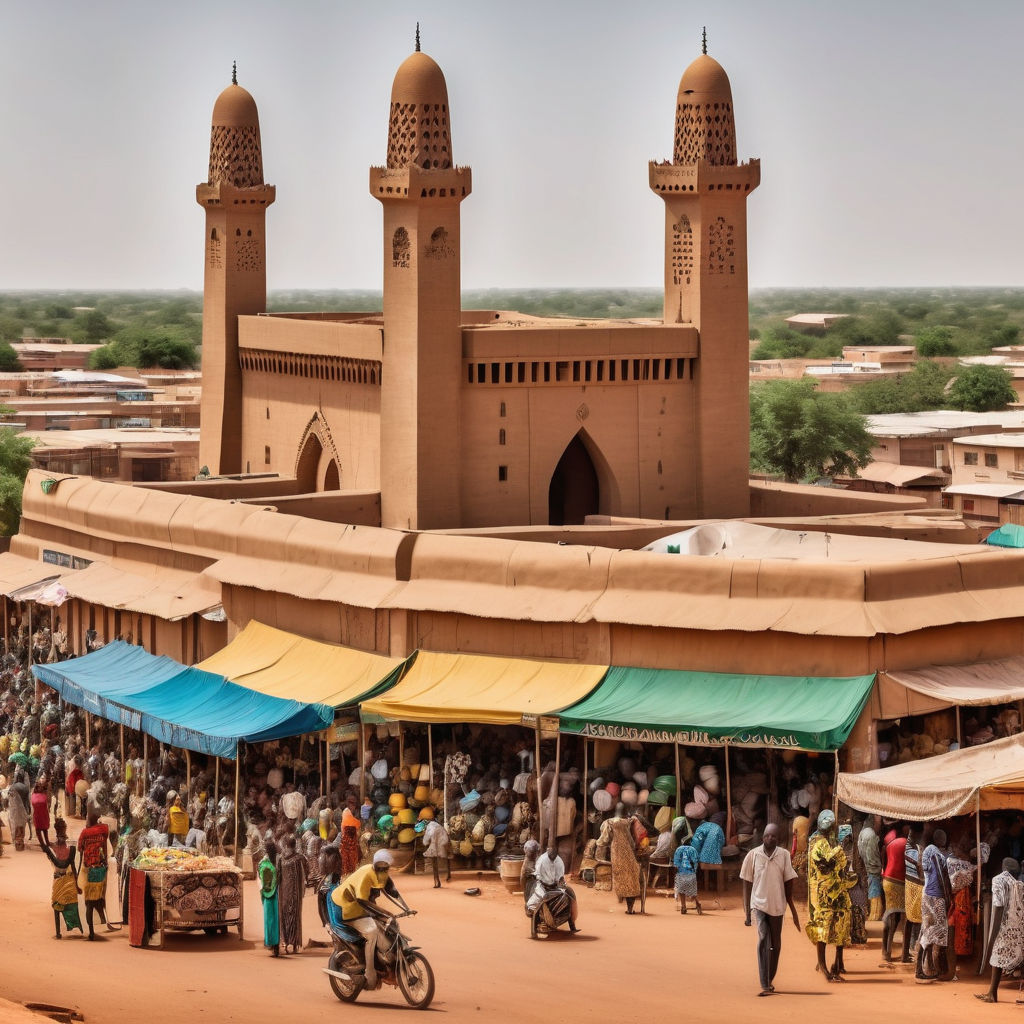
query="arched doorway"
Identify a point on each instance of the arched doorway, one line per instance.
(332, 481)
(574, 492)
(309, 462)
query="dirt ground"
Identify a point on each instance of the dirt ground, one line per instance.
(619, 967)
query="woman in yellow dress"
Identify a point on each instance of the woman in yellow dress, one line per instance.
(828, 895)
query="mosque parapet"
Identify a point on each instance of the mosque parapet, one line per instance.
(413, 182)
(224, 194)
(704, 177)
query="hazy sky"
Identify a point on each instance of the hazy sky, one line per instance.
(890, 135)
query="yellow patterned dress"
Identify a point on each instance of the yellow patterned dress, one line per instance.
(828, 894)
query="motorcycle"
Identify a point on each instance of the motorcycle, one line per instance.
(554, 910)
(397, 961)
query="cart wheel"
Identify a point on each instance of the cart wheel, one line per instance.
(211, 931)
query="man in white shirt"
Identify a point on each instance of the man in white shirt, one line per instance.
(549, 873)
(767, 875)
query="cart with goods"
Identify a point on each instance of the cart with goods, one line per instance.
(192, 892)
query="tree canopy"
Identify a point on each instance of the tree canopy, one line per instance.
(922, 389)
(168, 346)
(15, 462)
(804, 434)
(982, 389)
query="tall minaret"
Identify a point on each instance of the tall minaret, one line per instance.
(235, 282)
(705, 193)
(420, 189)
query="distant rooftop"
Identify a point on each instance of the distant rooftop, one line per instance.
(921, 424)
(992, 440)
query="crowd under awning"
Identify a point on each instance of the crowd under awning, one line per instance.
(281, 664)
(714, 708)
(987, 777)
(440, 688)
(182, 706)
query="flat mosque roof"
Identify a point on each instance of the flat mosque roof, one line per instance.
(732, 540)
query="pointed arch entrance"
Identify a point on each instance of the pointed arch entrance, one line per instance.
(308, 463)
(317, 466)
(332, 481)
(574, 492)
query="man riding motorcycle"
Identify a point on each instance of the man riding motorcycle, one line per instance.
(355, 896)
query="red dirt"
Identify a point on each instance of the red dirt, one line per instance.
(619, 967)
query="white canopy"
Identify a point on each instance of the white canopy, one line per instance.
(989, 777)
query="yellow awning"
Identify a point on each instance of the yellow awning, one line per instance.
(282, 664)
(479, 688)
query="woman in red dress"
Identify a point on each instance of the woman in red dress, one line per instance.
(40, 801)
(92, 874)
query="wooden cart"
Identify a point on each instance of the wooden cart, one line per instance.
(211, 900)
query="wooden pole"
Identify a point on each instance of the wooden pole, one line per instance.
(553, 798)
(430, 755)
(679, 783)
(728, 795)
(122, 746)
(216, 781)
(238, 782)
(977, 861)
(835, 787)
(145, 763)
(586, 793)
(362, 761)
(88, 731)
(536, 768)
(7, 626)
(959, 740)
(188, 774)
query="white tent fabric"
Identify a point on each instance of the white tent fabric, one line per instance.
(984, 682)
(990, 777)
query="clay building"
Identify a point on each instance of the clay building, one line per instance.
(477, 418)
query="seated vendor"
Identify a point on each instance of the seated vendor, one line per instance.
(177, 829)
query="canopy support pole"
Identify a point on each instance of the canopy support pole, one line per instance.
(88, 727)
(540, 802)
(959, 740)
(586, 823)
(145, 763)
(728, 795)
(430, 756)
(679, 782)
(238, 782)
(553, 796)
(216, 781)
(7, 624)
(977, 861)
(121, 732)
(835, 786)
(188, 775)
(30, 638)
(362, 760)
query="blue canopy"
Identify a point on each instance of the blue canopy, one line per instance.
(183, 706)
(1009, 535)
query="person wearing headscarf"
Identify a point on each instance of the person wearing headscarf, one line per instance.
(894, 877)
(349, 844)
(291, 870)
(961, 870)
(871, 858)
(858, 895)
(627, 876)
(266, 872)
(93, 842)
(827, 896)
(19, 807)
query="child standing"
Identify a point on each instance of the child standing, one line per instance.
(685, 861)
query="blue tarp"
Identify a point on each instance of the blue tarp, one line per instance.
(1009, 535)
(183, 706)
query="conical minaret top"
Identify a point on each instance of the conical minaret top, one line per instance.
(419, 132)
(235, 151)
(705, 127)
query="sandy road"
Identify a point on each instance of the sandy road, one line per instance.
(619, 967)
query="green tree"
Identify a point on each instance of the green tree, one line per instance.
(935, 341)
(982, 389)
(921, 389)
(8, 359)
(169, 346)
(15, 461)
(93, 326)
(803, 433)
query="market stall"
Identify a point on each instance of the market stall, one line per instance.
(472, 727)
(706, 743)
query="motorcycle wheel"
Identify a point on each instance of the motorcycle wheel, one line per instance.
(346, 991)
(416, 980)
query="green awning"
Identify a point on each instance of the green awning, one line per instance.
(709, 708)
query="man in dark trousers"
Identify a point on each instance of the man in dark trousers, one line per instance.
(767, 875)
